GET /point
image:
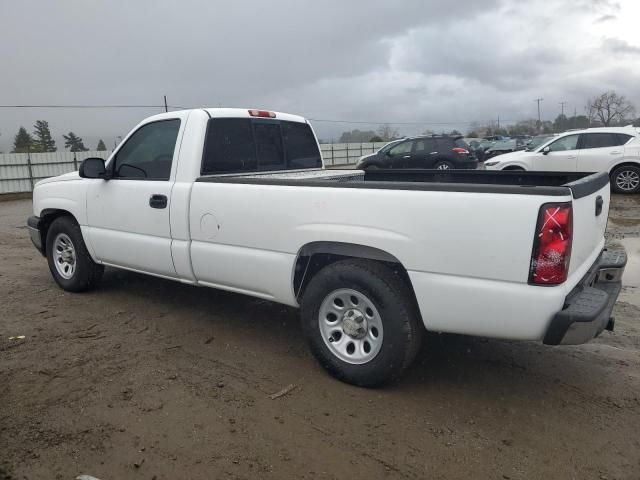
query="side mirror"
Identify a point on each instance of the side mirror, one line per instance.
(546, 150)
(92, 168)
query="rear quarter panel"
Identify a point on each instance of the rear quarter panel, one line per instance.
(467, 254)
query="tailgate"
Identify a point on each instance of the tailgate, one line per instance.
(590, 213)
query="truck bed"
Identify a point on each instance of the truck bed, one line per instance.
(479, 181)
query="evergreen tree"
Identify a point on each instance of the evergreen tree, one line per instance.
(101, 146)
(43, 141)
(22, 142)
(74, 143)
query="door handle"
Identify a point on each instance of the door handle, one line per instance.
(407, 156)
(158, 201)
(573, 157)
(614, 153)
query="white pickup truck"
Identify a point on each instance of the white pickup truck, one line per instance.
(239, 200)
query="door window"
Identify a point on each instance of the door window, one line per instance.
(148, 153)
(565, 143)
(403, 148)
(599, 140)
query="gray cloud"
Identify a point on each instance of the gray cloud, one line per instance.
(359, 60)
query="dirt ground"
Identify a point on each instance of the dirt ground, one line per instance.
(150, 379)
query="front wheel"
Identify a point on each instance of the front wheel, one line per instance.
(69, 261)
(626, 179)
(361, 322)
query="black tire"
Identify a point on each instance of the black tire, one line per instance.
(444, 165)
(625, 179)
(398, 312)
(87, 273)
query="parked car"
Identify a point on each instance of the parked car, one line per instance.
(238, 200)
(438, 152)
(475, 147)
(614, 150)
(504, 146)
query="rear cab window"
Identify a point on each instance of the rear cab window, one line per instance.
(237, 145)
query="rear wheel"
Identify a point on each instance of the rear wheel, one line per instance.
(626, 179)
(69, 261)
(443, 165)
(361, 322)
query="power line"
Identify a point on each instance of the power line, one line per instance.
(91, 106)
(180, 107)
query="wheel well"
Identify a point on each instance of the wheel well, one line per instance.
(47, 216)
(513, 167)
(314, 256)
(624, 164)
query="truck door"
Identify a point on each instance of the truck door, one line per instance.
(128, 215)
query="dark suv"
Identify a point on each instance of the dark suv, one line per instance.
(434, 152)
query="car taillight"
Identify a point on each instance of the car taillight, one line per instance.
(262, 113)
(552, 245)
(461, 151)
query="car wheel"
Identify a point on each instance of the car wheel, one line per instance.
(626, 179)
(361, 322)
(443, 165)
(69, 261)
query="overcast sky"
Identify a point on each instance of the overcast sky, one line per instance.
(430, 62)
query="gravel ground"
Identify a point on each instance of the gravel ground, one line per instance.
(146, 378)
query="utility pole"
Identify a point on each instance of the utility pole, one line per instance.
(562, 104)
(166, 109)
(539, 121)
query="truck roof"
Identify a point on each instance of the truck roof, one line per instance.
(233, 113)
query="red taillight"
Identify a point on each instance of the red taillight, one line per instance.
(552, 245)
(461, 151)
(262, 113)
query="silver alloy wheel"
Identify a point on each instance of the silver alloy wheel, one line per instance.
(64, 256)
(627, 180)
(443, 166)
(350, 326)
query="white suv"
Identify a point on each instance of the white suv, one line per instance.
(615, 150)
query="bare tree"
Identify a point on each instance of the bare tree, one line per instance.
(610, 108)
(387, 132)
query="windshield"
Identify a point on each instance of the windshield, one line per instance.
(536, 142)
(386, 148)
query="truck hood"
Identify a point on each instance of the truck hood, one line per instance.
(60, 178)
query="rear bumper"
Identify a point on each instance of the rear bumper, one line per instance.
(33, 224)
(587, 309)
(468, 165)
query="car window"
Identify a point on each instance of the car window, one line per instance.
(148, 153)
(599, 140)
(623, 138)
(460, 143)
(565, 143)
(423, 145)
(401, 149)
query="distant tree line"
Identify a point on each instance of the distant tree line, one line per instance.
(607, 109)
(42, 141)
